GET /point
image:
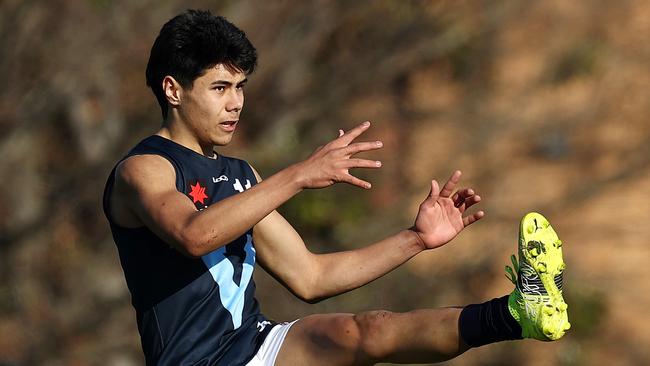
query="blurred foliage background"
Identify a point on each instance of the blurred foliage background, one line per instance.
(543, 104)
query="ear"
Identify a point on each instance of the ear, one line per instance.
(173, 90)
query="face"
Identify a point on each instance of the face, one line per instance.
(210, 109)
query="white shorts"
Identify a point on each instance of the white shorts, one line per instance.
(270, 348)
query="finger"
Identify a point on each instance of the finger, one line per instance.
(471, 201)
(451, 184)
(460, 196)
(349, 136)
(468, 202)
(468, 220)
(351, 179)
(362, 163)
(435, 189)
(360, 147)
(341, 133)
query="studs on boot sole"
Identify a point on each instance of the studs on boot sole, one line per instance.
(547, 331)
(548, 309)
(535, 248)
(531, 229)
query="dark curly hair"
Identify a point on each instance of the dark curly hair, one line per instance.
(191, 43)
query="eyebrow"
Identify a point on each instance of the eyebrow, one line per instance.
(226, 82)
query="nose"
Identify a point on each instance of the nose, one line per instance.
(235, 103)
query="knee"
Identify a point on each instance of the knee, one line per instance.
(374, 334)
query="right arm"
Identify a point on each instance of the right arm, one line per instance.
(145, 193)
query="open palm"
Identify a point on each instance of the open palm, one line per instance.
(440, 217)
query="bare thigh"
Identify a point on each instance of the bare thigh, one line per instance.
(421, 336)
(323, 339)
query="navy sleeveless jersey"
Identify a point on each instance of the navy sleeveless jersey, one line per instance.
(192, 311)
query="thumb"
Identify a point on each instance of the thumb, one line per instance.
(435, 189)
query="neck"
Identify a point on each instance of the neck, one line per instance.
(183, 136)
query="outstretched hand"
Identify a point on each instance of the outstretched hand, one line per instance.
(332, 162)
(440, 217)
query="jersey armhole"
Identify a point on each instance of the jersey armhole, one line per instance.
(251, 170)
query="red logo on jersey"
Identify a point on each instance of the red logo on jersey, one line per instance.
(198, 193)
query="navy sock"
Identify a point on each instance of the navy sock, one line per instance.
(489, 322)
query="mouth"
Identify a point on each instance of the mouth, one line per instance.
(228, 126)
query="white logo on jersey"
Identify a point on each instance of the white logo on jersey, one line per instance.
(262, 325)
(222, 178)
(238, 187)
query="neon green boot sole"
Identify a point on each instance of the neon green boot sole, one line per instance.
(537, 302)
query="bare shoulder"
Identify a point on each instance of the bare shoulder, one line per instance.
(139, 169)
(137, 178)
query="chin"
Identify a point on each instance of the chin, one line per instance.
(223, 141)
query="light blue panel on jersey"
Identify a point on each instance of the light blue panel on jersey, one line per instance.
(222, 270)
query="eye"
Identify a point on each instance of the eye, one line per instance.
(219, 88)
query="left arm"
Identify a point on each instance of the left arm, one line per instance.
(314, 277)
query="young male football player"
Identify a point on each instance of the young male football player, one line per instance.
(190, 224)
